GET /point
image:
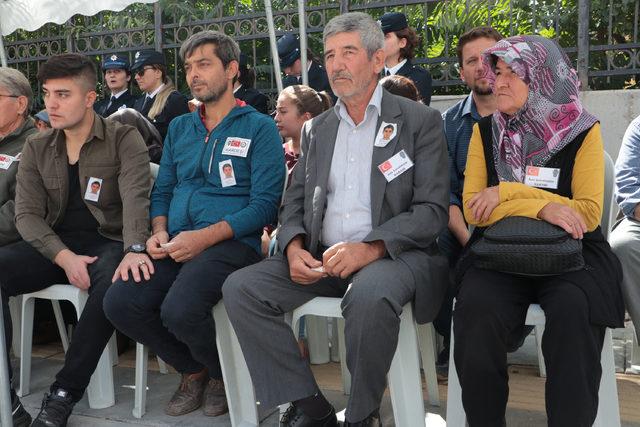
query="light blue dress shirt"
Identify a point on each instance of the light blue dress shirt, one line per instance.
(348, 214)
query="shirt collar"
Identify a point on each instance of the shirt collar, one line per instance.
(394, 70)
(469, 107)
(155, 92)
(119, 94)
(374, 106)
(97, 132)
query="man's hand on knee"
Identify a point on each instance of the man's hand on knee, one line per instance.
(138, 264)
(75, 267)
(343, 259)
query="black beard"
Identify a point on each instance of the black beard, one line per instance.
(482, 91)
(213, 96)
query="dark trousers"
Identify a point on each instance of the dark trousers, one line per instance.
(171, 313)
(489, 314)
(450, 247)
(25, 270)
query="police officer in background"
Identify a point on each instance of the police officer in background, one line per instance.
(400, 42)
(161, 102)
(244, 90)
(117, 77)
(291, 64)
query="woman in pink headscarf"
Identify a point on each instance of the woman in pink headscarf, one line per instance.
(540, 130)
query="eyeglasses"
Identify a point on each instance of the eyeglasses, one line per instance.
(9, 96)
(140, 73)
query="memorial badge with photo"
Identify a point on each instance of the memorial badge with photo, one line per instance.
(227, 175)
(386, 133)
(94, 186)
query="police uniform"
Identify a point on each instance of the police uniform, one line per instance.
(250, 95)
(177, 103)
(288, 53)
(396, 21)
(110, 105)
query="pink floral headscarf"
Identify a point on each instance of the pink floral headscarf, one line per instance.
(552, 115)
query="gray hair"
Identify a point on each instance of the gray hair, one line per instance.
(226, 48)
(17, 84)
(370, 32)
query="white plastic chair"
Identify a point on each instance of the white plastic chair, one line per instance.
(100, 391)
(404, 375)
(608, 412)
(241, 399)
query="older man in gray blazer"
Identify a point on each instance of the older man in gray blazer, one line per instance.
(359, 221)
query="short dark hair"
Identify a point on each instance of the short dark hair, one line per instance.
(474, 34)
(246, 76)
(69, 65)
(226, 48)
(388, 127)
(401, 86)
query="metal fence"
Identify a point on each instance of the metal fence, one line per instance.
(600, 36)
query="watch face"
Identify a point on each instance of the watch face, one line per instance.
(138, 247)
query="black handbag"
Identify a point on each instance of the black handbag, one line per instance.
(527, 247)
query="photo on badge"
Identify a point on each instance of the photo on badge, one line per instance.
(94, 186)
(227, 176)
(6, 161)
(386, 133)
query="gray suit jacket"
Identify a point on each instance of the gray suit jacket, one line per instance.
(408, 213)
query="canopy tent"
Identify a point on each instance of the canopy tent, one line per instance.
(30, 15)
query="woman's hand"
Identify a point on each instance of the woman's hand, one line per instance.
(564, 216)
(484, 202)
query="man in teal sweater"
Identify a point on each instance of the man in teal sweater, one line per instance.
(220, 182)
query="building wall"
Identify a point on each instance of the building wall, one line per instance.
(615, 109)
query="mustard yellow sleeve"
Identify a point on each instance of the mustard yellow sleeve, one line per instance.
(517, 199)
(587, 182)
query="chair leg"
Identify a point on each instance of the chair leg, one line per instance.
(238, 386)
(635, 355)
(539, 333)
(15, 309)
(346, 375)
(140, 393)
(25, 346)
(335, 347)
(608, 409)
(162, 367)
(404, 385)
(62, 329)
(428, 351)
(113, 350)
(318, 339)
(455, 411)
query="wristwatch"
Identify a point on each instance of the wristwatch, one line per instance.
(136, 248)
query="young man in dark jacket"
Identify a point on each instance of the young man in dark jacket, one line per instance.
(71, 234)
(220, 182)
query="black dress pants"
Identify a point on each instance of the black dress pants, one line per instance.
(25, 270)
(489, 314)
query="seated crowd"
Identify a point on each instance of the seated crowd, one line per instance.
(381, 191)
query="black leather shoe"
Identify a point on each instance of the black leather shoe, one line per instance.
(294, 417)
(372, 420)
(56, 408)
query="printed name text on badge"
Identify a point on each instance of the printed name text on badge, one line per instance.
(395, 166)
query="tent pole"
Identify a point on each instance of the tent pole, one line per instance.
(274, 48)
(303, 42)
